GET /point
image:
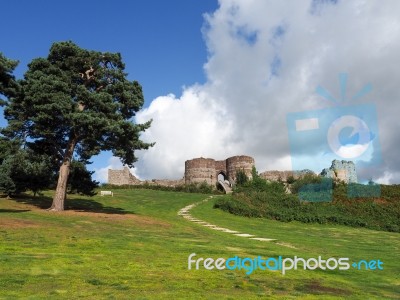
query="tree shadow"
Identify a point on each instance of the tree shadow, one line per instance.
(13, 210)
(81, 205)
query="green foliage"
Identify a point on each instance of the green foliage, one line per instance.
(254, 173)
(73, 104)
(8, 84)
(200, 188)
(260, 185)
(7, 148)
(241, 177)
(24, 170)
(80, 180)
(290, 179)
(306, 180)
(7, 185)
(272, 203)
(81, 99)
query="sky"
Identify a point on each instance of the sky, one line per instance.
(227, 77)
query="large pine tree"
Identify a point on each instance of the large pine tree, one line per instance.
(76, 103)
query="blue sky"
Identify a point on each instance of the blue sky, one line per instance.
(220, 78)
(161, 42)
(156, 38)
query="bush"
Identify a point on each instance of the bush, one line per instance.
(305, 180)
(268, 200)
(201, 188)
(241, 177)
(290, 179)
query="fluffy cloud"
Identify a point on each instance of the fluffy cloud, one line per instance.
(266, 59)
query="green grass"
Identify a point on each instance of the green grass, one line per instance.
(134, 246)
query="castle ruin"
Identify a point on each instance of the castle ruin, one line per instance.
(197, 170)
(223, 172)
(212, 171)
(341, 170)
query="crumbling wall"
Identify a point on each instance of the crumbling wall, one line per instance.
(121, 177)
(275, 175)
(166, 182)
(283, 175)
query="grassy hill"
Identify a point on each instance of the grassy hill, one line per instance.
(135, 246)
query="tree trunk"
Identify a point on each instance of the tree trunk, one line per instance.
(61, 190)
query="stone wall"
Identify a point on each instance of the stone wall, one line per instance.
(277, 175)
(236, 163)
(165, 182)
(125, 177)
(199, 170)
(283, 175)
(122, 177)
(220, 167)
(207, 169)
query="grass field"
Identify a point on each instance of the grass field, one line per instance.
(135, 246)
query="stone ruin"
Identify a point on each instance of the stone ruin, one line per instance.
(197, 170)
(341, 170)
(122, 177)
(213, 171)
(125, 177)
(284, 176)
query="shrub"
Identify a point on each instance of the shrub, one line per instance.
(269, 200)
(241, 177)
(201, 188)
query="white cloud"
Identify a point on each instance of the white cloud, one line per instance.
(388, 178)
(265, 60)
(191, 126)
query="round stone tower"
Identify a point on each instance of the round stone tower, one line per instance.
(236, 163)
(199, 170)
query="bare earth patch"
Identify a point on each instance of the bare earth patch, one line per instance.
(114, 217)
(137, 219)
(17, 223)
(316, 287)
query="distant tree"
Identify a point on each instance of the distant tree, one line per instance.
(39, 172)
(254, 173)
(80, 180)
(7, 185)
(241, 177)
(257, 182)
(74, 104)
(24, 170)
(8, 84)
(7, 148)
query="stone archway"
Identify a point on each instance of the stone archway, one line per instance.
(221, 176)
(222, 182)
